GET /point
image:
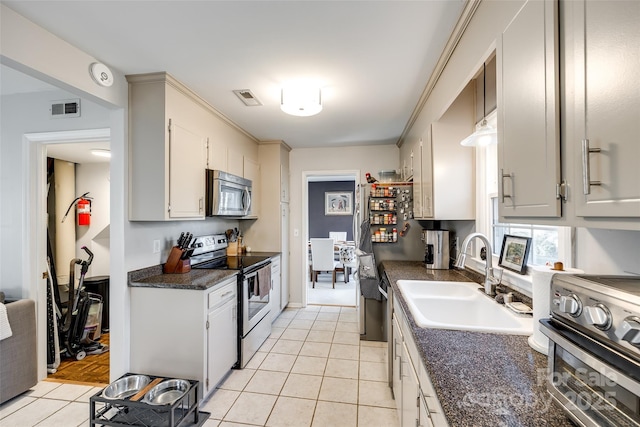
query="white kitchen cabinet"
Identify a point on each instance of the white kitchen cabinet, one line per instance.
(186, 170)
(528, 106)
(423, 177)
(270, 231)
(276, 289)
(185, 333)
(222, 334)
(251, 171)
(216, 155)
(408, 162)
(410, 391)
(284, 268)
(603, 54)
(167, 150)
(396, 362)
(284, 183)
(235, 162)
(416, 399)
(444, 174)
(424, 418)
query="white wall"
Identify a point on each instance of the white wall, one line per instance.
(365, 159)
(21, 114)
(94, 178)
(608, 251)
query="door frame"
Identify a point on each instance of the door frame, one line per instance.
(35, 245)
(321, 175)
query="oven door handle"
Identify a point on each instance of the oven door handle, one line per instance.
(604, 369)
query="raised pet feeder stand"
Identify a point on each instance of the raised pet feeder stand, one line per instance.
(134, 410)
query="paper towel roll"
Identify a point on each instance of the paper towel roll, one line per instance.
(541, 302)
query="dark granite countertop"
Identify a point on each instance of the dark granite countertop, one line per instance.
(197, 279)
(481, 379)
(153, 277)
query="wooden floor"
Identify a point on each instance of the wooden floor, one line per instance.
(93, 369)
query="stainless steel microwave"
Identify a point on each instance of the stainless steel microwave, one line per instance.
(227, 194)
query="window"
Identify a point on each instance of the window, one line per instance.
(544, 239)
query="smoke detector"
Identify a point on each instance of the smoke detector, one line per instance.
(65, 108)
(248, 98)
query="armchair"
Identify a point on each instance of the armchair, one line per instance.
(19, 369)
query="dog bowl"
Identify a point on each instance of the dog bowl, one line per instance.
(167, 392)
(126, 387)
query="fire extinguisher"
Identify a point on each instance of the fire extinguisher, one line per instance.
(84, 212)
(83, 208)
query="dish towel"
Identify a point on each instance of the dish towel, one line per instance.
(264, 281)
(5, 328)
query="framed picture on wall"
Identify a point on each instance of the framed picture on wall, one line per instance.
(514, 253)
(338, 203)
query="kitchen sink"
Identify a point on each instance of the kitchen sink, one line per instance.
(460, 306)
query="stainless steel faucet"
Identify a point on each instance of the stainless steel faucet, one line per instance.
(490, 281)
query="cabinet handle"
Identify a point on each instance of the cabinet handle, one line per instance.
(502, 177)
(200, 204)
(225, 294)
(586, 167)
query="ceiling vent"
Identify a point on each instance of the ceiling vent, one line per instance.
(65, 108)
(248, 98)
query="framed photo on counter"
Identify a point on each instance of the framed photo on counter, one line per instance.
(338, 203)
(514, 253)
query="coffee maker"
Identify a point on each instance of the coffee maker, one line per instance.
(436, 249)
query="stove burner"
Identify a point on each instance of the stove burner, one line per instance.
(242, 262)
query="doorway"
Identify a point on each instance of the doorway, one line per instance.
(78, 170)
(320, 188)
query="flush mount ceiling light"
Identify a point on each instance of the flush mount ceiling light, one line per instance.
(101, 152)
(301, 100)
(485, 134)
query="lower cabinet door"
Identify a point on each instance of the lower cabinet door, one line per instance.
(424, 420)
(222, 337)
(396, 361)
(410, 391)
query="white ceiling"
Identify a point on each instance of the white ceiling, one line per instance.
(372, 58)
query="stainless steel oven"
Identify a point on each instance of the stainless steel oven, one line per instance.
(254, 287)
(256, 326)
(594, 348)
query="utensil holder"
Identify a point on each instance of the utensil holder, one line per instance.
(175, 264)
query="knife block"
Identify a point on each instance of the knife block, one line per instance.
(232, 248)
(174, 262)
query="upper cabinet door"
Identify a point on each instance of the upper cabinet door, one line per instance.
(217, 155)
(187, 156)
(252, 172)
(606, 125)
(528, 119)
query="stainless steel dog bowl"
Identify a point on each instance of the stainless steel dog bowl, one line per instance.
(126, 387)
(167, 392)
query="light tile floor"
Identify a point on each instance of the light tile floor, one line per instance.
(312, 371)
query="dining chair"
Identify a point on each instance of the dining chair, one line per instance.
(322, 259)
(338, 236)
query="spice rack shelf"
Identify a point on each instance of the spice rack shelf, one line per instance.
(387, 203)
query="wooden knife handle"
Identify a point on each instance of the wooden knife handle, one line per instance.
(144, 391)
